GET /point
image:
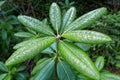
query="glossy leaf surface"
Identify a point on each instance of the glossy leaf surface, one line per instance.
(83, 46)
(1, 3)
(21, 76)
(86, 36)
(51, 49)
(109, 76)
(31, 31)
(46, 72)
(22, 44)
(87, 19)
(3, 68)
(21, 68)
(8, 77)
(99, 62)
(68, 17)
(78, 59)
(64, 72)
(24, 34)
(47, 51)
(55, 16)
(2, 76)
(82, 77)
(41, 65)
(30, 50)
(35, 25)
(41, 60)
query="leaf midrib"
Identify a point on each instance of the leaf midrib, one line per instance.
(47, 66)
(65, 70)
(76, 56)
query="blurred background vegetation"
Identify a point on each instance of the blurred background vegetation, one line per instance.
(108, 24)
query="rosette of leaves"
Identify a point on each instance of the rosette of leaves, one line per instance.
(63, 31)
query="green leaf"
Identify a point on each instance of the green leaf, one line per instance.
(41, 65)
(100, 63)
(51, 49)
(41, 60)
(46, 72)
(87, 19)
(45, 21)
(21, 76)
(2, 76)
(82, 77)
(21, 68)
(86, 36)
(24, 34)
(55, 16)
(1, 3)
(3, 67)
(22, 44)
(35, 25)
(78, 59)
(8, 77)
(30, 50)
(13, 70)
(54, 46)
(32, 78)
(83, 46)
(68, 18)
(64, 72)
(31, 31)
(48, 51)
(109, 76)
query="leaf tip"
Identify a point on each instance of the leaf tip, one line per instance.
(54, 4)
(19, 16)
(109, 39)
(73, 8)
(103, 9)
(9, 62)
